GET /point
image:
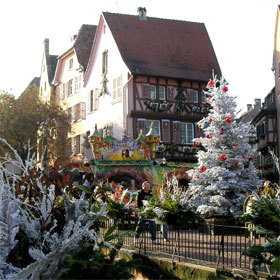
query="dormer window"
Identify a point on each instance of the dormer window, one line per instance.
(105, 62)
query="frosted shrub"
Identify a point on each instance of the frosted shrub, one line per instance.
(53, 220)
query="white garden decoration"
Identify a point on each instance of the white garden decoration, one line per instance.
(50, 247)
(226, 171)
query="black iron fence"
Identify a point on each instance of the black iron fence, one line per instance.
(211, 244)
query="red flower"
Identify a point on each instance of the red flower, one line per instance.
(223, 157)
(228, 119)
(233, 145)
(197, 144)
(237, 164)
(208, 135)
(221, 132)
(210, 120)
(225, 89)
(211, 83)
(202, 168)
(251, 158)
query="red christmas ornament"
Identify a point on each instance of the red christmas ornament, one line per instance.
(228, 119)
(251, 158)
(233, 145)
(211, 83)
(209, 99)
(243, 158)
(221, 132)
(210, 120)
(236, 164)
(208, 135)
(225, 89)
(202, 168)
(197, 144)
(223, 157)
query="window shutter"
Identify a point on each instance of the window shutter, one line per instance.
(189, 95)
(176, 133)
(195, 96)
(141, 126)
(119, 82)
(83, 110)
(114, 88)
(203, 98)
(145, 90)
(76, 84)
(65, 89)
(96, 99)
(165, 131)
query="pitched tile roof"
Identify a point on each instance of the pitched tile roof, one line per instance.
(162, 47)
(83, 43)
(51, 65)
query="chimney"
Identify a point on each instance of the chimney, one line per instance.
(249, 106)
(142, 13)
(257, 101)
(46, 45)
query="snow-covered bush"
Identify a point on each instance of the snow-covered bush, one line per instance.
(41, 221)
(169, 204)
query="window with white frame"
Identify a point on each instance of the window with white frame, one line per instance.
(195, 96)
(187, 133)
(153, 92)
(161, 93)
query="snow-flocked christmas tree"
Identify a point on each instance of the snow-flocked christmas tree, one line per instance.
(226, 171)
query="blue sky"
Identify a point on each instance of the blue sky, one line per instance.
(241, 31)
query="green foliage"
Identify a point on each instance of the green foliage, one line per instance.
(22, 118)
(263, 211)
(265, 215)
(96, 263)
(116, 210)
(267, 253)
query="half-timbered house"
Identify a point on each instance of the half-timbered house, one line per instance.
(143, 70)
(266, 129)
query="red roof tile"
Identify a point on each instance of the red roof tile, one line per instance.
(166, 48)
